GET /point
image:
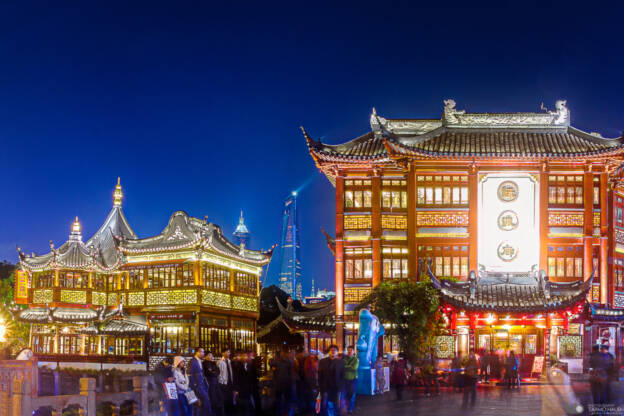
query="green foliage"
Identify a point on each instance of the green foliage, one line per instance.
(412, 309)
(17, 334)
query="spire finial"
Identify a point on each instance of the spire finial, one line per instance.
(117, 194)
(76, 231)
(241, 220)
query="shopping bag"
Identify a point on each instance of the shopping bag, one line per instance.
(318, 404)
(191, 398)
(171, 391)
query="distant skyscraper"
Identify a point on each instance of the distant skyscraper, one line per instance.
(290, 264)
(241, 233)
(299, 291)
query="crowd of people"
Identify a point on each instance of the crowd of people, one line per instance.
(205, 387)
(300, 383)
(307, 383)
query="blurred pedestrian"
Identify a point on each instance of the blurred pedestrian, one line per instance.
(211, 372)
(283, 382)
(511, 370)
(351, 364)
(598, 375)
(399, 376)
(331, 382)
(456, 376)
(471, 372)
(380, 376)
(243, 385)
(430, 373)
(311, 380)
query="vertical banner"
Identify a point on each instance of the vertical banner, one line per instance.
(21, 287)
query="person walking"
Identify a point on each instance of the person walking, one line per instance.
(351, 364)
(226, 381)
(311, 380)
(331, 376)
(380, 376)
(243, 385)
(511, 368)
(484, 363)
(283, 382)
(430, 370)
(471, 372)
(456, 376)
(256, 368)
(163, 373)
(198, 382)
(211, 372)
(611, 371)
(183, 386)
(598, 375)
(399, 376)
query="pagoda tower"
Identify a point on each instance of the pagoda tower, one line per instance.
(241, 233)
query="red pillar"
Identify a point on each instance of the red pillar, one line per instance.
(588, 205)
(412, 248)
(339, 261)
(376, 227)
(543, 186)
(473, 184)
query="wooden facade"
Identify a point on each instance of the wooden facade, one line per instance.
(408, 193)
(121, 298)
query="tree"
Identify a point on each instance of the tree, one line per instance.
(17, 333)
(412, 310)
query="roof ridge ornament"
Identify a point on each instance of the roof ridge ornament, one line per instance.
(562, 112)
(117, 194)
(450, 112)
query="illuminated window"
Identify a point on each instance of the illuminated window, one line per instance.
(73, 280)
(565, 190)
(358, 263)
(357, 194)
(394, 264)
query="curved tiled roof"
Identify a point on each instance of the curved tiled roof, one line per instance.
(508, 143)
(365, 148)
(184, 231)
(508, 297)
(115, 225)
(546, 135)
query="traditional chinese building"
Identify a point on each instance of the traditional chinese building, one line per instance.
(502, 194)
(117, 297)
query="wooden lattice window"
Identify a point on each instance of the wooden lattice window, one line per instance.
(394, 263)
(442, 190)
(565, 190)
(358, 263)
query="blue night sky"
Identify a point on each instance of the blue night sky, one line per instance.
(197, 105)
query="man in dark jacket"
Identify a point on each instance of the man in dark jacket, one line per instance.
(283, 381)
(163, 373)
(198, 382)
(598, 375)
(243, 385)
(211, 372)
(331, 376)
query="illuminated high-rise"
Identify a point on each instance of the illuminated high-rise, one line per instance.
(290, 263)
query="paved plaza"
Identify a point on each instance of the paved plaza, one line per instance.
(491, 401)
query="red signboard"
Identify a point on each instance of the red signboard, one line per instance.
(21, 287)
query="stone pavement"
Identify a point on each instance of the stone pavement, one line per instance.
(491, 401)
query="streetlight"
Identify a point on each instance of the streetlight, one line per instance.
(3, 330)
